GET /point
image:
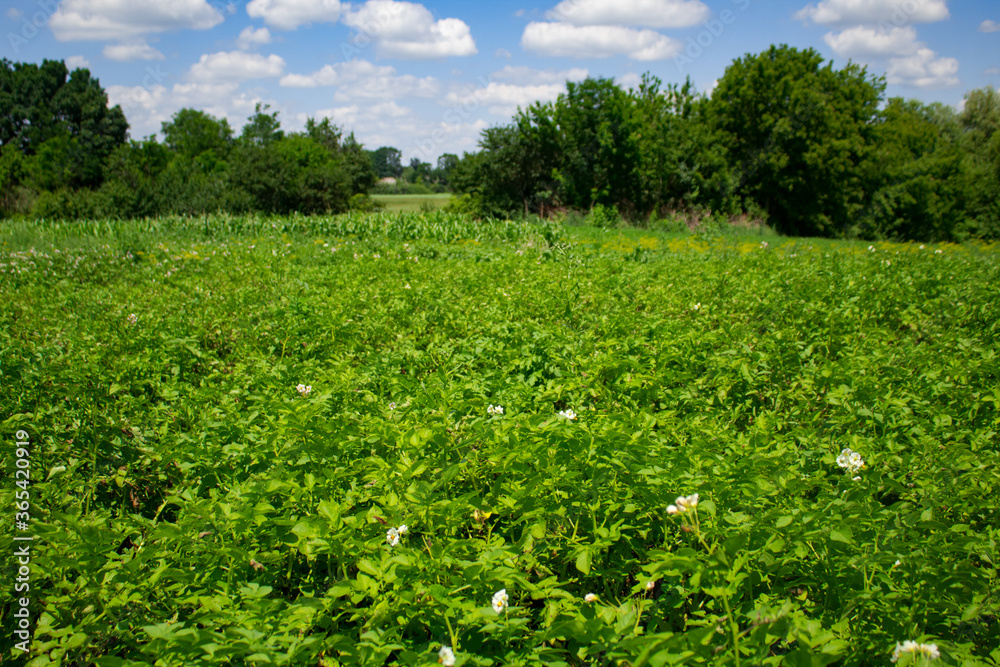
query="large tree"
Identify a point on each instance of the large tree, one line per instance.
(46, 110)
(796, 131)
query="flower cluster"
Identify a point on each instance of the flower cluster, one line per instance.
(929, 651)
(567, 414)
(304, 389)
(446, 656)
(684, 504)
(393, 534)
(133, 319)
(495, 410)
(850, 460)
(590, 597)
(500, 601)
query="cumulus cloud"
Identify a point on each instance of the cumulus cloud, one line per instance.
(118, 19)
(129, 52)
(408, 31)
(229, 66)
(924, 69)
(360, 79)
(566, 40)
(898, 12)
(989, 26)
(250, 38)
(147, 107)
(643, 13)
(864, 41)
(76, 62)
(290, 14)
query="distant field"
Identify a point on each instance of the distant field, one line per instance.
(411, 203)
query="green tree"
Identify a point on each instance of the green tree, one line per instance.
(599, 152)
(199, 137)
(47, 103)
(262, 128)
(980, 120)
(387, 162)
(796, 132)
(680, 164)
(915, 174)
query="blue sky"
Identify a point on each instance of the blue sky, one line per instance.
(427, 78)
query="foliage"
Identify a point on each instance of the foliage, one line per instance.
(226, 414)
(797, 132)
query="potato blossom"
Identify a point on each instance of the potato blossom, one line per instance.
(567, 414)
(929, 651)
(446, 656)
(850, 460)
(304, 389)
(500, 601)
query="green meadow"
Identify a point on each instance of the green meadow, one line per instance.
(399, 439)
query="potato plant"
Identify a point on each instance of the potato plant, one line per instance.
(413, 439)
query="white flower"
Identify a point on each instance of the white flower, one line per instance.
(446, 656)
(392, 537)
(392, 406)
(494, 409)
(683, 504)
(403, 530)
(929, 651)
(406, 286)
(651, 584)
(850, 460)
(696, 306)
(921, 246)
(304, 389)
(897, 563)
(590, 597)
(567, 414)
(133, 319)
(937, 252)
(871, 248)
(763, 244)
(500, 600)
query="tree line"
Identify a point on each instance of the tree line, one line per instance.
(64, 153)
(784, 138)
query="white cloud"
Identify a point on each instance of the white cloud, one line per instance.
(408, 30)
(121, 19)
(504, 99)
(644, 13)
(846, 12)
(290, 14)
(131, 52)
(528, 75)
(235, 66)
(75, 62)
(863, 41)
(503, 53)
(147, 107)
(993, 71)
(989, 26)
(249, 38)
(360, 79)
(563, 39)
(924, 69)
